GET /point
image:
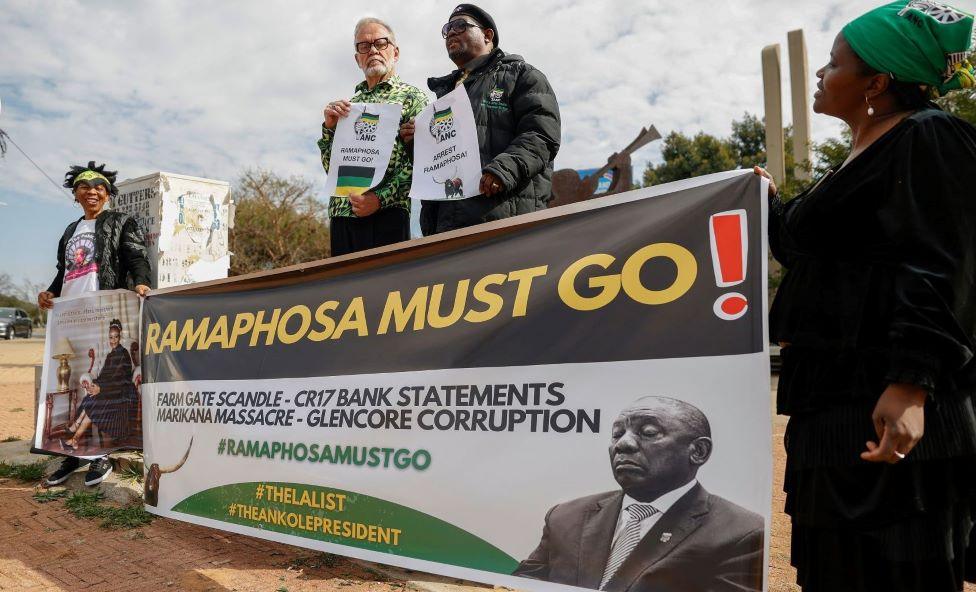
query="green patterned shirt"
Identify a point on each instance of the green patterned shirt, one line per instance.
(393, 189)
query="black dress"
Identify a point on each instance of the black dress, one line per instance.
(113, 408)
(881, 289)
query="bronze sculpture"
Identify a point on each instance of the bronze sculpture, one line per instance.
(568, 188)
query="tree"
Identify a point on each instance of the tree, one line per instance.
(686, 157)
(831, 152)
(962, 104)
(690, 157)
(748, 140)
(16, 296)
(7, 285)
(278, 222)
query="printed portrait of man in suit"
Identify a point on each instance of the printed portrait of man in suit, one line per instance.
(662, 531)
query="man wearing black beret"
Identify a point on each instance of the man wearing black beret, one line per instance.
(517, 117)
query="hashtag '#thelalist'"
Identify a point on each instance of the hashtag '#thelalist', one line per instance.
(259, 493)
(222, 445)
(232, 510)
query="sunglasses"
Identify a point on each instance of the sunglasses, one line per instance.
(457, 26)
(380, 44)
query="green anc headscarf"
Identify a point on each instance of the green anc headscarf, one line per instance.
(917, 41)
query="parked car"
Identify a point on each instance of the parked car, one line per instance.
(14, 322)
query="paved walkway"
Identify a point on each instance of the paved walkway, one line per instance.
(44, 547)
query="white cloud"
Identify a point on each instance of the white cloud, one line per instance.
(208, 88)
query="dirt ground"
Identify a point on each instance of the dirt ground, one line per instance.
(43, 547)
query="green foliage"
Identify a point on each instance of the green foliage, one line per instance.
(831, 152)
(278, 222)
(11, 439)
(49, 495)
(25, 472)
(748, 140)
(85, 504)
(131, 473)
(686, 157)
(962, 104)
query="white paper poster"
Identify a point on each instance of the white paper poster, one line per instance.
(362, 147)
(446, 158)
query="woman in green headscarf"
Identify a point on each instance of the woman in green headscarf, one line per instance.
(877, 316)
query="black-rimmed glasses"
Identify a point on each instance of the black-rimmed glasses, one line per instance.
(380, 44)
(457, 26)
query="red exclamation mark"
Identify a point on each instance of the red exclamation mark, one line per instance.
(730, 252)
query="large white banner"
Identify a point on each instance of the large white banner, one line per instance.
(490, 413)
(362, 147)
(446, 158)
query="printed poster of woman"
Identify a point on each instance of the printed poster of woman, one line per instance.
(97, 408)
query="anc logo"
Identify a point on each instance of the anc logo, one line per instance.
(495, 100)
(365, 126)
(942, 13)
(442, 125)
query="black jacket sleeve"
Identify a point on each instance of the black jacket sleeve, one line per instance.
(777, 210)
(134, 254)
(55, 287)
(537, 131)
(930, 221)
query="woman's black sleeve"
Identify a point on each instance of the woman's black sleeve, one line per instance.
(929, 219)
(776, 211)
(55, 287)
(135, 255)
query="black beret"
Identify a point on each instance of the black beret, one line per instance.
(479, 15)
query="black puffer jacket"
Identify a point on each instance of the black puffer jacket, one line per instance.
(517, 116)
(120, 251)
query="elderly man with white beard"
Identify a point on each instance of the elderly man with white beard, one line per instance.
(380, 216)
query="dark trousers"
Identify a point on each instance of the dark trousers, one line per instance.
(384, 227)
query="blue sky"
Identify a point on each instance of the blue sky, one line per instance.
(209, 88)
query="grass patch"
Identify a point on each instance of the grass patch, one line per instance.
(84, 504)
(29, 472)
(17, 410)
(11, 439)
(49, 496)
(131, 474)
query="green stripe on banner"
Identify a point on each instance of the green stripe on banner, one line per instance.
(370, 117)
(353, 179)
(354, 182)
(346, 518)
